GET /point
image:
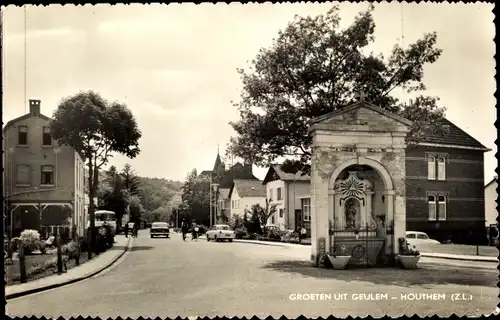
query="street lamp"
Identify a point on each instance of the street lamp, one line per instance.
(213, 186)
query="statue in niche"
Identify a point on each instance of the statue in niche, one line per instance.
(350, 213)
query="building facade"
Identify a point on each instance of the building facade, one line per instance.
(222, 177)
(244, 194)
(490, 202)
(43, 181)
(445, 187)
(291, 193)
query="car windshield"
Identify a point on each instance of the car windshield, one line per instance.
(160, 225)
(422, 236)
(104, 216)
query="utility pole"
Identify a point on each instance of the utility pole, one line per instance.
(210, 196)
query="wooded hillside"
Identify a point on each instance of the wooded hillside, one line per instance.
(158, 196)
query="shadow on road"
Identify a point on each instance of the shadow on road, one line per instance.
(424, 275)
(140, 248)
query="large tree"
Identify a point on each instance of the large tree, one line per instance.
(130, 180)
(113, 195)
(314, 67)
(196, 196)
(96, 129)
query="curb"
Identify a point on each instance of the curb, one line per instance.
(57, 285)
(422, 254)
(458, 259)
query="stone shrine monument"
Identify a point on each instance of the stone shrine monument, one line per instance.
(358, 183)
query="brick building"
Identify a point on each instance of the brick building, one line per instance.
(445, 186)
(43, 182)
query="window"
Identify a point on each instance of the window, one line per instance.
(431, 168)
(271, 194)
(432, 207)
(279, 193)
(46, 137)
(23, 175)
(422, 236)
(442, 207)
(47, 175)
(281, 213)
(441, 168)
(22, 137)
(272, 219)
(306, 209)
(410, 236)
(232, 204)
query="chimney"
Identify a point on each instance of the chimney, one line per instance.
(35, 107)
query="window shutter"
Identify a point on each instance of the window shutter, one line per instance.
(431, 168)
(442, 168)
(432, 207)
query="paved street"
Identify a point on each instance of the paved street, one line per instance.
(167, 278)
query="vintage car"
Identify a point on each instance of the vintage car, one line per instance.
(220, 232)
(419, 239)
(159, 229)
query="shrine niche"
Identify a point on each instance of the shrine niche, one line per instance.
(353, 203)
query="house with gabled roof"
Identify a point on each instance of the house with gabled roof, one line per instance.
(291, 193)
(43, 181)
(223, 176)
(445, 186)
(243, 194)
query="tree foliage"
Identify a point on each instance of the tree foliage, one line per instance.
(262, 213)
(113, 195)
(130, 179)
(314, 67)
(196, 197)
(96, 129)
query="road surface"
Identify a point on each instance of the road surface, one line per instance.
(169, 277)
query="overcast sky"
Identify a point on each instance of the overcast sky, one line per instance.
(175, 66)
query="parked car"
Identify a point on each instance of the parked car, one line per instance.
(159, 229)
(417, 239)
(220, 232)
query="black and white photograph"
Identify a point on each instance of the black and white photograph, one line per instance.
(250, 159)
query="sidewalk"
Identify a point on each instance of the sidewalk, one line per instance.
(423, 254)
(84, 271)
(459, 257)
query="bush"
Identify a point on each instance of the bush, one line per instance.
(274, 234)
(84, 244)
(30, 239)
(42, 246)
(239, 233)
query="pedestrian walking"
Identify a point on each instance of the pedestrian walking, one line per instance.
(184, 229)
(194, 230)
(126, 230)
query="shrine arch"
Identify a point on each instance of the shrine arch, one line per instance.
(386, 177)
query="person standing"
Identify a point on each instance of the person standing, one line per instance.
(184, 229)
(126, 230)
(194, 229)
